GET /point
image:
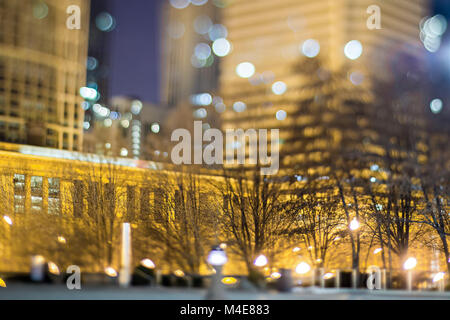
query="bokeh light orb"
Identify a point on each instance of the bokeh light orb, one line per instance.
(310, 48)
(245, 69)
(155, 127)
(436, 106)
(199, 2)
(357, 78)
(437, 25)
(179, 4)
(281, 115)
(221, 47)
(40, 10)
(91, 63)
(353, 49)
(105, 22)
(202, 51)
(239, 106)
(202, 24)
(279, 88)
(217, 31)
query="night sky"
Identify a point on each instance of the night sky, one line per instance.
(135, 47)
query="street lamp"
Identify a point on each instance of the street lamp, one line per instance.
(8, 220)
(303, 268)
(260, 261)
(439, 279)
(409, 265)
(147, 263)
(354, 224)
(216, 258)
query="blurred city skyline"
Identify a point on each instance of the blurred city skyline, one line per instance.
(135, 47)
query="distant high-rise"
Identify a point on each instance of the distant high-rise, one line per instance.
(189, 66)
(272, 36)
(42, 67)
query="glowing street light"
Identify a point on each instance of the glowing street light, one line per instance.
(217, 258)
(260, 261)
(53, 268)
(111, 272)
(8, 220)
(302, 268)
(62, 240)
(354, 224)
(439, 279)
(377, 250)
(409, 265)
(147, 263)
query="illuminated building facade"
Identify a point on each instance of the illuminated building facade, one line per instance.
(188, 65)
(274, 36)
(42, 67)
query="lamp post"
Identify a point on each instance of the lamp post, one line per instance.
(216, 258)
(439, 278)
(303, 268)
(354, 226)
(409, 265)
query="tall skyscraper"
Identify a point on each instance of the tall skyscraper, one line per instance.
(188, 65)
(258, 81)
(42, 67)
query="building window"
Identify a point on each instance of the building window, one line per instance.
(19, 193)
(36, 194)
(54, 203)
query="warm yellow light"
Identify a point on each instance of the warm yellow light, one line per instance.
(61, 239)
(147, 263)
(229, 280)
(296, 249)
(53, 268)
(179, 273)
(310, 248)
(275, 275)
(319, 260)
(410, 264)
(438, 277)
(2, 283)
(223, 246)
(354, 224)
(38, 259)
(111, 272)
(260, 261)
(8, 220)
(328, 275)
(302, 268)
(377, 250)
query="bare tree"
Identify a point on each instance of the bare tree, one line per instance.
(255, 214)
(181, 219)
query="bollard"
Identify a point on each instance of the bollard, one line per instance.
(284, 283)
(409, 280)
(313, 277)
(124, 275)
(37, 273)
(216, 290)
(322, 280)
(354, 279)
(158, 277)
(383, 279)
(337, 280)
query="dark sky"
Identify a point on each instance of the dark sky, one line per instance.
(135, 48)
